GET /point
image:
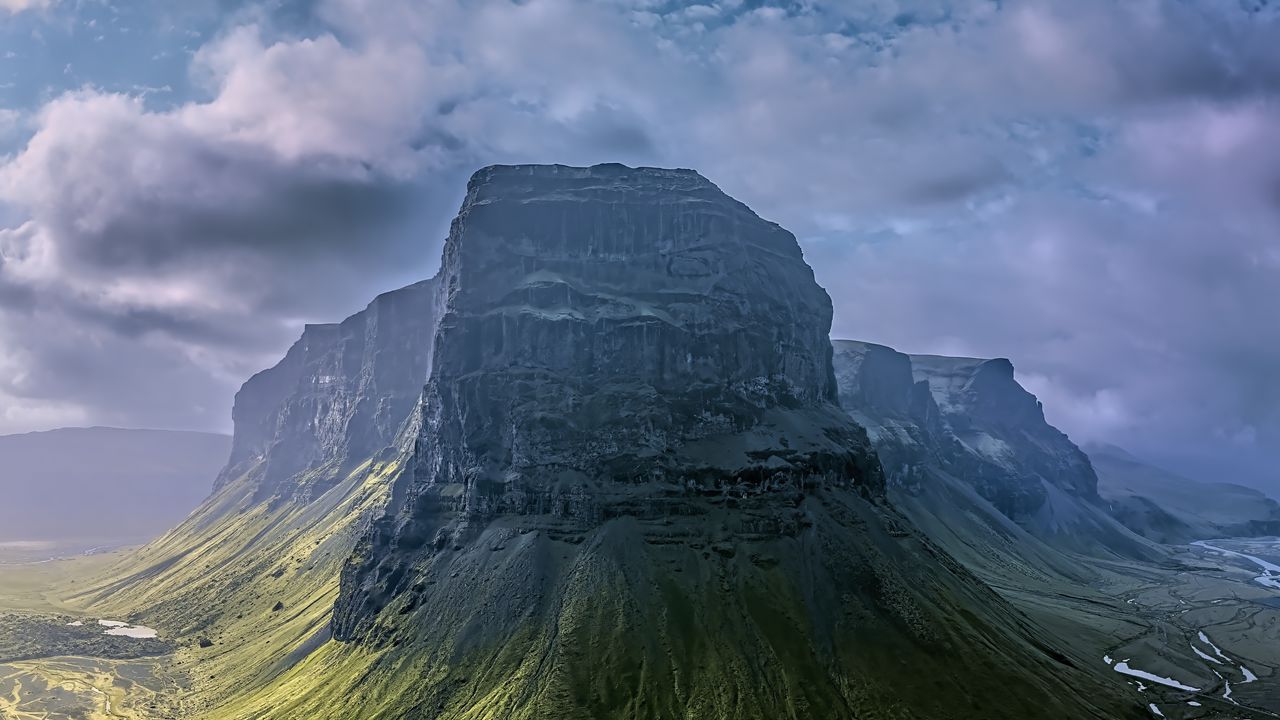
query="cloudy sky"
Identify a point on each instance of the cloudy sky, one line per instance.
(1090, 188)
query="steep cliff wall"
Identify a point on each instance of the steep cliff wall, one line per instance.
(339, 395)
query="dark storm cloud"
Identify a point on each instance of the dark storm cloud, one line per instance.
(1088, 188)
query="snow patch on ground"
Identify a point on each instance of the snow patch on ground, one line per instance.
(1204, 655)
(134, 631)
(1155, 710)
(1216, 650)
(124, 629)
(1123, 667)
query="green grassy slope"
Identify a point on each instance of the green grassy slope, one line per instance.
(621, 624)
(253, 583)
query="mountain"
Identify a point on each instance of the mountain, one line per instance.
(70, 489)
(1170, 508)
(595, 468)
(963, 431)
(339, 396)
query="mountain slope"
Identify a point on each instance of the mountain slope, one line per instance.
(309, 469)
(80, 487)
(1169, 508)
(950, 427)
(624, 488)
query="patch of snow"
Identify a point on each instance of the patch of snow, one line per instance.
(1193, 703)
(1227, 695)
(1107, 659)
(78, 623)
(1216, 650)
(1248, 674)
(1123, 667)
(1154, 710)
(134, 631)
(1204, 655)
(1271, 581)
(124, 629)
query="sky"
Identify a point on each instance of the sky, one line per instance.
(1089, 188)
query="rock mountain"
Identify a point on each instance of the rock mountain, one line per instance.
(596, 468)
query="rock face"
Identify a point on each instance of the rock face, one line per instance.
(969, 419)
(969, 416)
(1169, 508)
(339, 395)
(616, 342)
(628, 491)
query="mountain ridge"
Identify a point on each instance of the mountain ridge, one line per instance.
(1171, 508)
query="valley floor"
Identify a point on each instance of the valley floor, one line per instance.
(1198, 638)
(58, 664)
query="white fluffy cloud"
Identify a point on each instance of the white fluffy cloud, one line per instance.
(1088, 189)
(17, 6)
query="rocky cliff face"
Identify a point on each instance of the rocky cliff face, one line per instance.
(339, 395)
(615, 341)
(941, 419)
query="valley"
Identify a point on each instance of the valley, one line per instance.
(1204, 624)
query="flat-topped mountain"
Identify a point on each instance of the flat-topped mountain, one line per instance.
(616, 341)
(67, 490)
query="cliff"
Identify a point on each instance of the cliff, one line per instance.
(936, 420)
(340, 395)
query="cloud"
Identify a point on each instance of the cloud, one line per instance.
(1090, 191)
(168, 230)
(17, 6)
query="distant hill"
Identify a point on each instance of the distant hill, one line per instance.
(74, 488)
(1167, 507)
